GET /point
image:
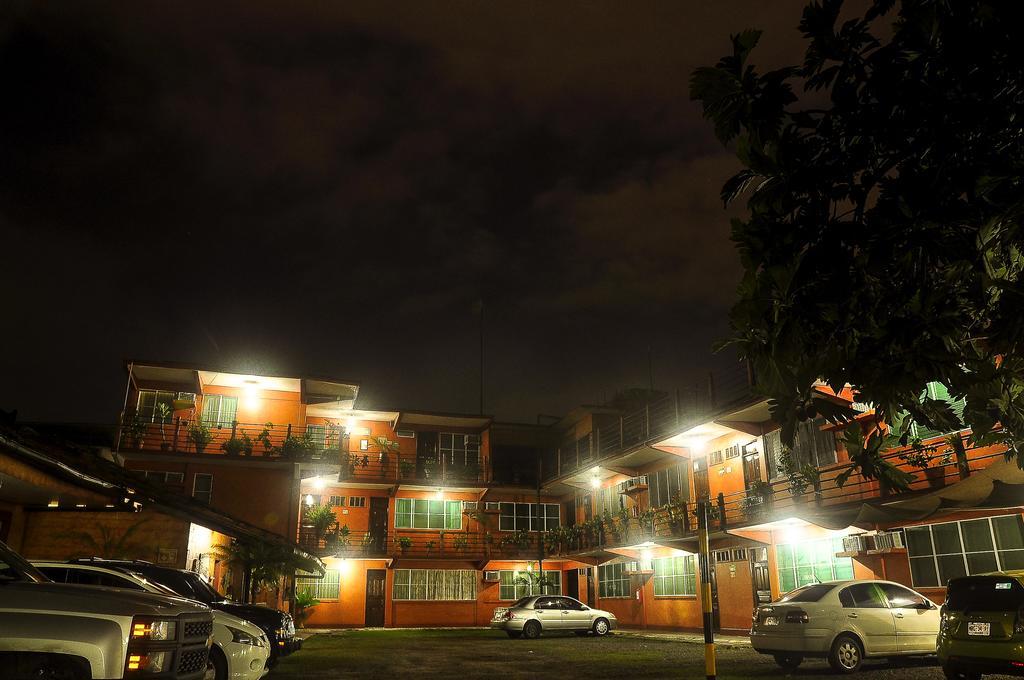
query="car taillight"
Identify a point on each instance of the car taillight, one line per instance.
(798, 616)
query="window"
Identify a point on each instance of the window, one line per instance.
(364, 444)
(801, 564)
(733, 451)
(420, 513)
(513, 585)
(357, 502)
(459, 449)
(529, 516)
(202, 487)
(337, 501)
(326, 588)
(161, 477)
(434, 584)
(675, 576)
(939, 552)
(608, 500)
(219, 410)
(583, 448)
(811, 446)
(862, 596)
(669, 484)
(146, 407)
(903, 598)
(808, 593)
(715, 457)
(937, 392)
(613, 579)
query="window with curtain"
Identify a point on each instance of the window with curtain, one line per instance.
(668, 484)
(675, 575)
(800, 564)
(435, 584)
(529, 516)
(939, 552)
(514, 584)
(326, 588)
(422, 513)
(811, 446)
(613, 579)
(146, 409)
(219, 410)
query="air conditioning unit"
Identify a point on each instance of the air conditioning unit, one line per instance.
(855, 543)
(632, 483)
(491, 577)
(469, 506)
(889, 539)
(406, 434)
(492, 506)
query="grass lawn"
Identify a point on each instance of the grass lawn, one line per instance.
(468, 654)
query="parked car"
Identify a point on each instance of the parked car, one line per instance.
(846, 622)
(240, 649)
(982, 626)
(278, 625)
(56, 630)
(529, 616)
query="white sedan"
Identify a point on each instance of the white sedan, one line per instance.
(845, 622)
(240, 649)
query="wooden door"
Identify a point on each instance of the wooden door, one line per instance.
(572, 583)
(378, 524)
(427, 463)
(375, 584)
(701, 487)
(751, 469)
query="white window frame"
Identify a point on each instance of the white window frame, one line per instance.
(935, 555)
(516, 520)
(326, 589)
(526, 589)
(357, 501)
(456, 592)
(208, 493)
(219, 420)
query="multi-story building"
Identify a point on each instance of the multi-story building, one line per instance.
(424, 518)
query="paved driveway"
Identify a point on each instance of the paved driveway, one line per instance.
(471, 654)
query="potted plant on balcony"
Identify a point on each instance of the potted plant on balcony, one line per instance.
(304, 603)
(298, 448)
(623, 515)
(162, 413)
(366, 543)
(429, 545)
(133, 430)
(199, 434)
(404, 543)
(646, 521)
(430, 468)
(917, 457)
(461, 543)
(264, 438)
(406, 468)
(385, 447)
(320, 517)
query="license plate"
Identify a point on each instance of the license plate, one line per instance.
(976, 628)
(771, 620)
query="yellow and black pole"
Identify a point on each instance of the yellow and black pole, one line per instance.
(704, 556)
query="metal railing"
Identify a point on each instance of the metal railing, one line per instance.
(774, 500)
(659, 418)
(422, 544)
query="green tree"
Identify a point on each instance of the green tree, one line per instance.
(882, 242)
(263, 563)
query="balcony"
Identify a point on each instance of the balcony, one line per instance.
(677, 523)
(455, 544)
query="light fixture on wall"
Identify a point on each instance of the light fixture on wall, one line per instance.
(309, 499)
(318, 483)
(595, 481)
(440, 494)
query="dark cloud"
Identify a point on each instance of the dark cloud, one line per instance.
(332, 188)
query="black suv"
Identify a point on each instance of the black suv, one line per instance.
(278, 625)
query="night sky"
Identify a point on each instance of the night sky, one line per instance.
(331, 189)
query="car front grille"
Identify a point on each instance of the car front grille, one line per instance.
(192, 662)
(198, 629)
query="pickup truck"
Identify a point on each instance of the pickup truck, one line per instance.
(59, 631)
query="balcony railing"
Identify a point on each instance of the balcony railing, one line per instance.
(658, 419)
(453, 544)
(302, 444)
(774, 500)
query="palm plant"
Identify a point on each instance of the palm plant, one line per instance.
(320, 517)
(109, 543)
(263, 564)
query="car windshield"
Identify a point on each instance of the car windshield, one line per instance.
(984, 593)
(13, 567)
(811, 593)
(521, 602)
(206, 592)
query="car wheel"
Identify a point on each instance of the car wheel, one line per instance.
(531, 631)
(846, 654)
(601, 627)
(954, 673)
(789, 662)
(217, 666)
(514, 634)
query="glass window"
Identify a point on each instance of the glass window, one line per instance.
(515, 584)
(808, 593)
(146, 406)
(459, 450)
(529, 516)
(326, 588)
(422, 513)
(866, 596)
(903, 598)
(675, 575)
(939, 552)
(801, 564)
(357, 502)
(202, 487)
(613, 579)
(219, 410)
(435, 584)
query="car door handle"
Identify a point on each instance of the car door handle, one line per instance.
(898, 615)
(852, 615)
(565, 611)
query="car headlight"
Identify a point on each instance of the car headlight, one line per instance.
(153, 629)
(243, 638)
(151, 662)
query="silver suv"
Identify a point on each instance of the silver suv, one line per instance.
(81, 633)
(529, 616)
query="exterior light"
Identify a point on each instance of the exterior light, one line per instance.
(440, 494)
(529, 566)
(309, 499)
(595, 483)
(53, 504)
(318, 483)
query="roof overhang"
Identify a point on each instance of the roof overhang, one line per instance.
(425, 419)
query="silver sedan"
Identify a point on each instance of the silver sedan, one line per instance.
(529, 616)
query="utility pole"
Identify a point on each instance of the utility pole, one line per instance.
(704, 555)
